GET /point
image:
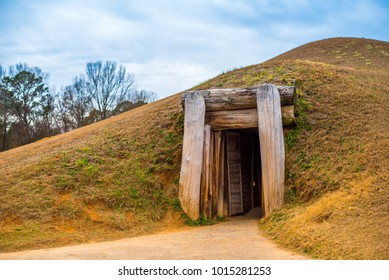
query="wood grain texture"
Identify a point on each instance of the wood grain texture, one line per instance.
(220, 156)
(242, 119)
(192, 155)
(288, 115)
(216, 135)
(240, 98)
(246, 153)
(210, 172)
(272, 146)
(205, 173)
(234, 173)
(211, 178)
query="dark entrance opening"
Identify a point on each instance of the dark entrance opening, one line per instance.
(243, 166)
(210, 185)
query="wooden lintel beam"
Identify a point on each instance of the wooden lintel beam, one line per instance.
(239, 98)
(242, 119)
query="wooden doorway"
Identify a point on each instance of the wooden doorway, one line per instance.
(243, 166)
(211, 114)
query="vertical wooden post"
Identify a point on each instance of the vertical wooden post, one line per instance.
(271, 141)
(252, 179)
(211, 178)
(207, 172)
(226, 202)
(192, 154)
(216, 167)
(221, 202)
(203, 186)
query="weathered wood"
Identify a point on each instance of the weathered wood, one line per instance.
(246, 154)
(203, 192)
(257, 174)
(240, 98)
(237, 119)
(210, 172)
(220, 171)
(226, 208)
(211, 175)
(234, 173)
(252, 166)
(216, 172)
(288, 117)
(242, 119)
(272, 146)
(192, 155)
(206, 172)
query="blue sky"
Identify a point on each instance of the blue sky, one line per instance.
(173, 45)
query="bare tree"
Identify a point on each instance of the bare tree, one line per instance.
(5, 111)
(45, 122)
(135, 99)
(77, 102)
(108, 85)
(2, 72)
(17, 68)
(143, 96)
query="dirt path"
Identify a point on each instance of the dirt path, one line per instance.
(235, 239)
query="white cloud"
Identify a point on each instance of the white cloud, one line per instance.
(171, 45)
(165, 76)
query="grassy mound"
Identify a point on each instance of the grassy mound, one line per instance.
(119, 177)
(337, 193)
(112, 179)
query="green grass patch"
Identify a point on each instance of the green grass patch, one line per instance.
(202, 221)
(303, 107)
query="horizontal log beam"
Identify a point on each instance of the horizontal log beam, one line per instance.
(242, 119)
(239, 98)
(288, 115)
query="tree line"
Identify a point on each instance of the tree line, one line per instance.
(30, 110)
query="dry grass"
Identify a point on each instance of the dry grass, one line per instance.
(112, 179)
(337, 162)
(119, 177)
(345, 52)
(338, 171)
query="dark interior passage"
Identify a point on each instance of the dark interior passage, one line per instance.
(243, 171)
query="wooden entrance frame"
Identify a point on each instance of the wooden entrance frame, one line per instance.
(207, 114)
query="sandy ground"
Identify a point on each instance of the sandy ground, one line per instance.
(238, 238)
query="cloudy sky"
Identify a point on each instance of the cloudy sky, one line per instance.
(173, 45)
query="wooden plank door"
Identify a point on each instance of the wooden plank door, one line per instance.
(234, 173)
